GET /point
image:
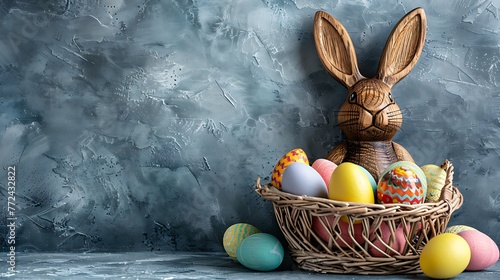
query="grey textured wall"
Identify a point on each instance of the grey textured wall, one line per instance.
(143, 125)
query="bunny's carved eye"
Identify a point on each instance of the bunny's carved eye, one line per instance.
(390, 97)
(353, 97)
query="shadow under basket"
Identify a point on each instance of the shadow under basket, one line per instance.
(360, 238)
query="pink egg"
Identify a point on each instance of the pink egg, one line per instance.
(325, 168)
(345, 238)
(484, 251)
(398, 244)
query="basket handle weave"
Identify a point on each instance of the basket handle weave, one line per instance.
(447, 191)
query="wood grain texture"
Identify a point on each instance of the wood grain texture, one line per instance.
(369, 118)
(335, 49)
(403, 48)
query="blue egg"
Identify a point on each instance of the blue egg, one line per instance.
(261, 252)
(301, 179)
(371, 179)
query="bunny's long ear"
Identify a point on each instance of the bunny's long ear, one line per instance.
(403, 48)
(335, 49)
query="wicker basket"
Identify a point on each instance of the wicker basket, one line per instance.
(419, 223)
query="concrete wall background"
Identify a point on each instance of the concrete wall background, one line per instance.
(143, 125)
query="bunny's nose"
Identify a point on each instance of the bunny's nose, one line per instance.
(369, 119)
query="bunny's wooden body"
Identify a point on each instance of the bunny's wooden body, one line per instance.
(369, 118)
(374, 156)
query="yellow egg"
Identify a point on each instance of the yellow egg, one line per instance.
(436, 177)
(445, 256)
(234, 235)
(350, 183)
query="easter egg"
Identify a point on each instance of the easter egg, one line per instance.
(371, 179)
(402, 182)
(347, 237)
(384, 239)
(445, 256)
(349, 183)
(436, 177)
(301, 179)
(295, 155)
(457, 229)
(261, 252)
(484, 251)
(325, 168)
(234, 235)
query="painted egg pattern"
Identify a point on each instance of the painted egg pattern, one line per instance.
(235, 234)
(436, 178)
(458, 228)
(401, 185)
(295, 155)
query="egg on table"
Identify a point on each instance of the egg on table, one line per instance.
(301, 179)
(234, 235)
(484, 251)
(295, 155)
(457, 228)
(261, 252)
(445, 256)
(402, 182)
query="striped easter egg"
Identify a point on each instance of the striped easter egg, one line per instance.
(456, 229)
(234, 235)
(436, 178)
(402, 182)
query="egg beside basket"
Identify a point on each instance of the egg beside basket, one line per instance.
(359, 246)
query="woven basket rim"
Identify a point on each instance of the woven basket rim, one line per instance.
(271, 193)
(455, 200)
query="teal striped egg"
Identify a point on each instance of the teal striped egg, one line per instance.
(235, 234)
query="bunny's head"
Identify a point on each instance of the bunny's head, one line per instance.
(369, 112)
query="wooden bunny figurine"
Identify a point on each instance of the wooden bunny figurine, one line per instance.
(369, 117)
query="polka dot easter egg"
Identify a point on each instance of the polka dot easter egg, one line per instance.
(295, 155)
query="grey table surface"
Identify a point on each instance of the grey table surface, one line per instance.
(162, 265)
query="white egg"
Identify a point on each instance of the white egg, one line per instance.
(301, 179)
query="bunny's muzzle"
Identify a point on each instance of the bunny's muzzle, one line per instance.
(369, 112)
